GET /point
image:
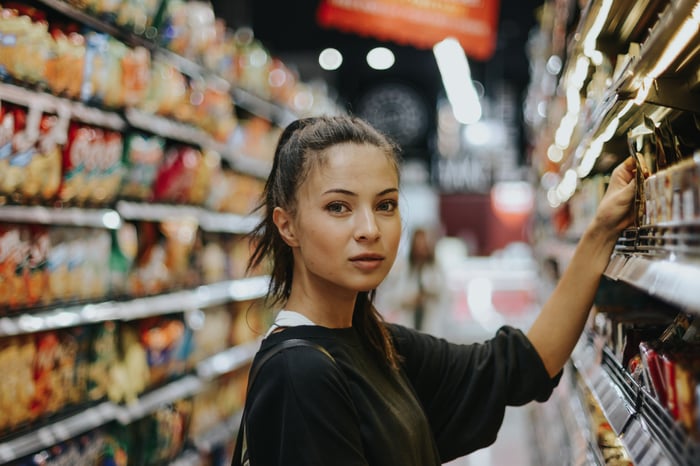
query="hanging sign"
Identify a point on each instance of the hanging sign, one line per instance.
(420, 23)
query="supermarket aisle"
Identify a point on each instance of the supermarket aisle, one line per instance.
(487, 293)
(513, 447)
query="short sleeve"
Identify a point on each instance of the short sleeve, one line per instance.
(465, 389)
(300, 413)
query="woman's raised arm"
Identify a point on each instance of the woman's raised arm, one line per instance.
(562, 318)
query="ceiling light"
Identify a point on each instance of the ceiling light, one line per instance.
(380, 58)
(330, 59)
(456, 78)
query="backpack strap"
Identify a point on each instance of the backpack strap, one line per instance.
(240, 455)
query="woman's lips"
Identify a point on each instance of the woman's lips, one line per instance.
(367, 262)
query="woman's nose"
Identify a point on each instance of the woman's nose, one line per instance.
(366, 228)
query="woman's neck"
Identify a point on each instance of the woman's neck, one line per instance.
(327, 311)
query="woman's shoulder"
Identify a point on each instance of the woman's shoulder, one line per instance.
(289, 358)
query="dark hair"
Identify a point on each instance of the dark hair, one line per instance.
(301, 146)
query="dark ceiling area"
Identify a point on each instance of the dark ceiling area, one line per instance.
(289, 30)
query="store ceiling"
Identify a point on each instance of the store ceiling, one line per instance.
(289, 31)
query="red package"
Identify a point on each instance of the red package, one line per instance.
(177, 174)
(668, 362)
(653, 371)
(78, 161)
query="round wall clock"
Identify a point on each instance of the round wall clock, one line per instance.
(397, 110)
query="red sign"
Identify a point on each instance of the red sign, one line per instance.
(420, 23)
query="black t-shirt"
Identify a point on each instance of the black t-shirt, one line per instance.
(446, 401)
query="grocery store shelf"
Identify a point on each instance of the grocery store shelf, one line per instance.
(670, 21)
(261, 107)
(242, 98)
(650, 436)
(58, 105)
(219, 434)
(171, 129)
(102, 26)
(201, 297)
(672, 281)
(59, 431)
(207, 220)
(150, 402)
(249, 165)
(72, 216)
(228, 361)
(580, 431)
(156, 212)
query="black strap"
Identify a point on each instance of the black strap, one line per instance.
(240, 455)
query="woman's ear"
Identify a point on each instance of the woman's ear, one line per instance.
(285, 225)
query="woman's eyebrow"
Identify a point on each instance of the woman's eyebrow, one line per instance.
(351, 193)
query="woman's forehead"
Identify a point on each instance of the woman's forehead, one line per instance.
(354, 164)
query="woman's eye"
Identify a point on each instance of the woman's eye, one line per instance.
(336, 207)
(388, 206)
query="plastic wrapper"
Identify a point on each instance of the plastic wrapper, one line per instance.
(16, 359)
(143, 155)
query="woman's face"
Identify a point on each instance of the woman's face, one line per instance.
(347, 226)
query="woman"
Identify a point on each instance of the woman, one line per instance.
(416, 289)
(389, 395)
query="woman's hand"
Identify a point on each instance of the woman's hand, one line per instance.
(615, 212)
(558, 327)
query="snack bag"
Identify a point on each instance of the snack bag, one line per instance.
(108, 173)
(143, 155)
(64, 68)
(42, 177)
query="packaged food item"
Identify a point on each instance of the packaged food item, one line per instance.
(94, 271)
(183, 177)
(48, 396)
(167, 90)
(143, 155)
(687, 387)
(124, 248)
(135, 64)
(233, 192)
(16, 362)
(26, 44)
(129, 375)
(64, 68)
(103, 355)
(43, 176)
(15, 241)
(107, 174)
(12, 287)
(149, 275)
(162, 435)
(189, 28)
(23, 149)
(102, 73)
(138, 15)
(37, 265)
(7, 131)
(181, 238)
(213, 259)
(215, 114)
(160, 337)
(78, 156)
(211, 334)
